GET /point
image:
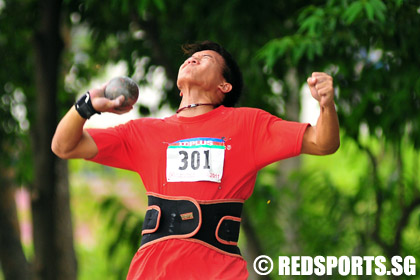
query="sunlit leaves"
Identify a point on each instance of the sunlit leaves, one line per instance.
(294, 46)
(311, 20)
(372, 44)
(124, 227)
(372, 9)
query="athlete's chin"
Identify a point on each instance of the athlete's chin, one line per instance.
(185, 81)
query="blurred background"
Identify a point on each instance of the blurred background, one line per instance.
(77, 220)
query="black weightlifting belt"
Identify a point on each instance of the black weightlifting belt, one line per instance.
(213, 223)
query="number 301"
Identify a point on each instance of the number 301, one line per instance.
(195, 160)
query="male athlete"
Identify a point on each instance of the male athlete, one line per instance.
(199, 165)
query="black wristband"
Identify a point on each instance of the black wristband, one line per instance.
(84, 106)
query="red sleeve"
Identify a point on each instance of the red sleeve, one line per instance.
(275, 139)
(114, 146)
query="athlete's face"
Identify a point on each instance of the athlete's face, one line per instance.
(203, 69)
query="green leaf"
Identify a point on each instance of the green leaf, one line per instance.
(380, 9)
(309, 25)
(369, 11)
(160, 4)
(275, 49)
(378, 5)
(311, 20)
(353, 12)
(306, 12)
(298, 52)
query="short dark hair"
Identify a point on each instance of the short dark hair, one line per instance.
(231, 71)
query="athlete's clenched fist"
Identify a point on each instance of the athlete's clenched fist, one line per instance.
(321, 86)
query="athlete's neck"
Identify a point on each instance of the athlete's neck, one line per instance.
(195, 109)
(195, 104)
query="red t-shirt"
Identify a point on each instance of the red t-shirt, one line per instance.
(212, 156)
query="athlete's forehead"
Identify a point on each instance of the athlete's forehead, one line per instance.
(211, 54)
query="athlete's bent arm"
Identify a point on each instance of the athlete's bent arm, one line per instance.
(70, 140)
(324, 138)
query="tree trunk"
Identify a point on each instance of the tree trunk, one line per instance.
(253, 247)
(286, 167)
(52, 227)
(12, 257)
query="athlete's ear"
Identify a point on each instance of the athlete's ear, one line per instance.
(225, 87)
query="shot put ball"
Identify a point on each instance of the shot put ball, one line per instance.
(122, 86)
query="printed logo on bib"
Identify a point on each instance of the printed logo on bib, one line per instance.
(195, 159)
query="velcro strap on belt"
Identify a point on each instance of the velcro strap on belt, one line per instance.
(216, 223)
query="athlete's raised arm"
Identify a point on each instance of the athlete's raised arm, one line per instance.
(324, 138)
(70, 140)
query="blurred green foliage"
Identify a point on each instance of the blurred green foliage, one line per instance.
(364, 200)
(370, 49)
(108, 205)
(335, 209)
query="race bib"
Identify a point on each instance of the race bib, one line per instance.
(195, 159)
